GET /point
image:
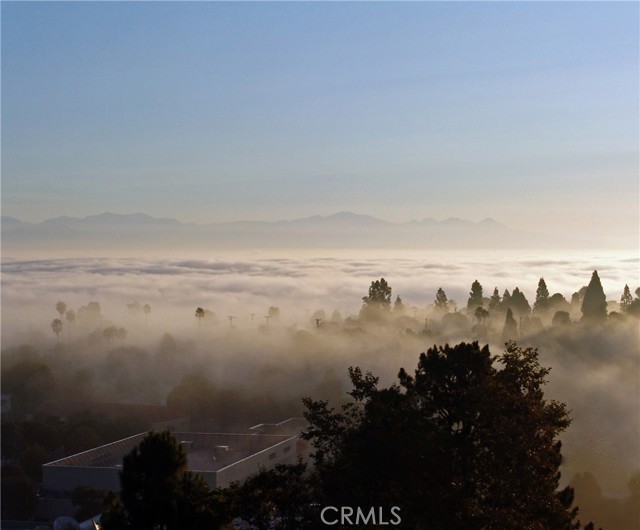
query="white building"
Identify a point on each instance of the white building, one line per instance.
(219, 458)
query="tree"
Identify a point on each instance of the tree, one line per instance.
(626, 299)
(157, 491)
(18, 493)
(519, 303)
(594, 303)
(279, 498)
(61, 307)
(121, 334)
(150, 478)
(481, 314)
(510, 330)
(506, 300)
(475, 296)
(70, 316)
(494, 302)
(460, 444)
(199, 315)
(561, 318)
(378, 303)
(29, 382)
(56, 326)
(542, 297)
(398, 306)
(110, 333)
(441, 303)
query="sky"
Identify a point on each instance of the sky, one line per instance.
(526, 112)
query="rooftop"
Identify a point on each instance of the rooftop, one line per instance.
(206, 451)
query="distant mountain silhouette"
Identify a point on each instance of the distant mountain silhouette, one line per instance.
(340, 230)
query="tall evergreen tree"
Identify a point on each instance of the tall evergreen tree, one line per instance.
(506, 300)
(519, 303)
(510, 330)
(398, 306)
(594, 304)
(494, 303)
(475, 296)
(542, 297)
(157, 491)
(441, 303)
(626, 299)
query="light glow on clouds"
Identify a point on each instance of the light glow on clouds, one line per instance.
(295, 285)
(595, 373)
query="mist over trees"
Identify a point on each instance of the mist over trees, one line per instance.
(226, 377)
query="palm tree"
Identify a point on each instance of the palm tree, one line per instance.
(56, 326)
(61, 307)
(109, 333)
(199, 316)
(146, 309)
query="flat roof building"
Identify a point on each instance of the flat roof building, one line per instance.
(220, 458)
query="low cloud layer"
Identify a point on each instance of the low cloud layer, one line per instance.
(596, 374)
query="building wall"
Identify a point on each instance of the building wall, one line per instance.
(282, 453)
(67, 478)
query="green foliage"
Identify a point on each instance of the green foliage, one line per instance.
(475, 296)
(451, 445)
(594, 304)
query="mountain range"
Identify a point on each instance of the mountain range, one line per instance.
(340, 230)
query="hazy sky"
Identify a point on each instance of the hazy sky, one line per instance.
(211, 111)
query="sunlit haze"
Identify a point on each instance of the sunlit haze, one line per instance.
(215, 209)
(525, 112)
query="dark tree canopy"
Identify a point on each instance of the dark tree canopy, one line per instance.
(494, 302)
(519, 303)
(594, 303)
(441, 303)
(157, 491)
(626, 299)
(459, 444)
(398, 306)
(542, 297)
(378, 303)
(150, 477)
(475, 296)
(510, 330)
